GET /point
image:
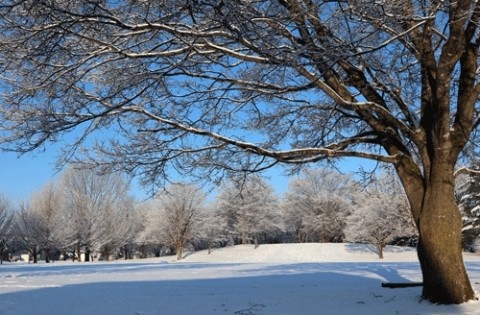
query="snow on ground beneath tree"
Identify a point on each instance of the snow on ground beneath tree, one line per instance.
(341, 279)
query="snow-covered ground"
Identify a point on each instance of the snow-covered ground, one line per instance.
(273, 279)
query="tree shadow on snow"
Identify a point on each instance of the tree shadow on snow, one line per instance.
(361, 248)
(40, 270)
(369, 248)
(346, 288)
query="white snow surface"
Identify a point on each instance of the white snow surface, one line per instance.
(278, 279)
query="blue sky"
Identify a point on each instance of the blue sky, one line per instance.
(22, 176)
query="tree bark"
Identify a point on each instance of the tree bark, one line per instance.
(255, 240)
(143, 251)
(35, 255)
(87, 254)
(445, 279)
(439, 249)
(244, 238)
(179, 251)
(210, 246)
(47, 255)
(380, 250)
(106, 251)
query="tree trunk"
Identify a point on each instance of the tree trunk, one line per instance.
(47, 255)
(445, 280)
(301, 236)
(106, 251)
(244, 237)
(35, 255)
(380, 250)
(143, 251)
(87, 253)
(179, 251)
(125, 251)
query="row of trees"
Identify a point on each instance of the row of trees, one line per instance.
(90, 214)
(80, 213)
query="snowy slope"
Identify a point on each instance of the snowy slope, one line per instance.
(275, 279)
(307, 252)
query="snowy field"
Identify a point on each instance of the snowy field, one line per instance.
(273, 279)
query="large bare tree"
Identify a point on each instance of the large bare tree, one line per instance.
(245, 85)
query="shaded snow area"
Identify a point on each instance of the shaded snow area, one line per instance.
(273, 279)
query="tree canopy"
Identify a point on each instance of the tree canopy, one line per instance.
(201, 83)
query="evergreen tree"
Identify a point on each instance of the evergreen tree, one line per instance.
(468, 196)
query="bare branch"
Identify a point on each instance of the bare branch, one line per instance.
(466, 171)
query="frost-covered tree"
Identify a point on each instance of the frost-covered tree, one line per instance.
(97, 210)
(6, 223)
(317, 204)
(119, 228)
(145, 235)
(204, 87)
(42, 222)
(250, 207)
(178, 219)
(25, 226)
(214, 228)
(468, 196)
(380, 215)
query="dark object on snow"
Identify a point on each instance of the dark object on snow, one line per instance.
(393, 285)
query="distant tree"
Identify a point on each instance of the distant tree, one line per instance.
(178, 217)
(26, 223)
(119, 228)
(43, 222)
(145, 235)
(468, 197)
(380, 215)
(97, 210)
(250, 207)
(214, 228)
(317, 204)
(6, 222)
